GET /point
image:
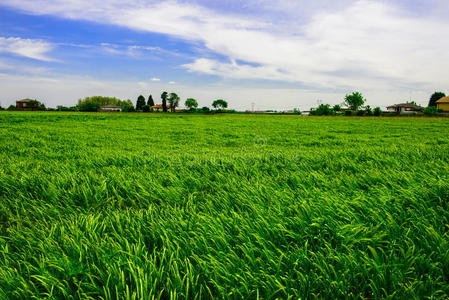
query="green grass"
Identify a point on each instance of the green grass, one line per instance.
(119, 206)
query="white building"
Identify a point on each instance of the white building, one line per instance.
(111, 108)
(404, 108)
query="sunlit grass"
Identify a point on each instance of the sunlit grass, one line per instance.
(148, 205)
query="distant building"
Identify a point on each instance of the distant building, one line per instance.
(27, 104)
(404, 108)
(158, 107)
(111, 108)
(443, 104)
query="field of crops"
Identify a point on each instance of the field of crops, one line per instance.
(136, 206)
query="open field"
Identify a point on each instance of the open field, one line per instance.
(229, 206)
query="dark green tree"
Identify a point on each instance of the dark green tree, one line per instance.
(127, 106)
(220, 104)
(164, 96)
(140, 102)
(431, 110)
(435, 97)
(95, 102)
(191, 103)
(377, 111)
(173, 100)
(354, 101)
(368, 110)
(65, 108)
(89, 106)
(150, 101)
(336, 107)
(322, 110)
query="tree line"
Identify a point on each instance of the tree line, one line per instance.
(170, 101)
(355, 103)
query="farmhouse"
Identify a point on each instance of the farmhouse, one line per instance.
(158, 107)
(443, 104)
(404, 108)
(27, 104)
(111, 108)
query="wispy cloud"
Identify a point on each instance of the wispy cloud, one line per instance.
(155, 79)
(357, 43)
(366, 44)
(30, 48)
(134, 51)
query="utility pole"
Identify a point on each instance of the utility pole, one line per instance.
(252, 106)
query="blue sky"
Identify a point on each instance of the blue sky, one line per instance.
(278, 54)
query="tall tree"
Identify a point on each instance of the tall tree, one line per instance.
(164, 101)
(150, 101)
(220, 104)
(126, 105)
(191, 103)
(355, 100)
(95, 102)
(173, 99)
(435, 97)
(140, 102)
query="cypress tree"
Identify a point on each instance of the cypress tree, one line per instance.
(150, 101)
(140, 102)
(435, 97)
(164, 101)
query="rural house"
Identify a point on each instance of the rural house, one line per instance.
(158, 107)
(404, 108)
(27, 104)
(443, 104)
(111, 108)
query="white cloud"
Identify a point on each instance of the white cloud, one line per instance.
(31, 48)
(171, 82)
(369, 44)
(237, 71)
(18, 67)
(135, 51)
(155, 79)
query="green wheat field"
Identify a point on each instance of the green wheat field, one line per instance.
(143, 206)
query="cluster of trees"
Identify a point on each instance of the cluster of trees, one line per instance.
(94, 103)
(434, 98)
(354, 102)
(143, 105)
(432, 109)
(171, 101)
(218, 105)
